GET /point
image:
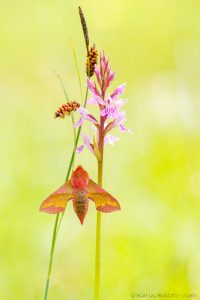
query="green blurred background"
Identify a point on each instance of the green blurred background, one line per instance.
(153, 244)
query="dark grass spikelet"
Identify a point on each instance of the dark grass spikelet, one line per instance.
(66, 109)
(84, 26)
(91, 61)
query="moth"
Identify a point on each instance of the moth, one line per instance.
(80, 189)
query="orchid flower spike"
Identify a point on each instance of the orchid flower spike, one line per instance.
(110, 106)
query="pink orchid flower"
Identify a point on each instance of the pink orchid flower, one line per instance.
(87, 140)
(109, 105)
(85, 115)
(110, 139)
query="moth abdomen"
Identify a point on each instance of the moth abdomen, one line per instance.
(80, 204)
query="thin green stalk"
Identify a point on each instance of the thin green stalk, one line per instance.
(51, 256)
(98, 219)
(97, 257)
(62, 85)
(67, 98)
(78, 70)
(98, 241)
(76, 143)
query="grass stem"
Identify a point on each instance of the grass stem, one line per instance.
(51, 256)
(77, 70)
(98, 241)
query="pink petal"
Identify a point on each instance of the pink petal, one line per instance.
(120, 103)
(120, 117)
(112, 76)
(108, 111)
(104, 112)
(85, 116)
(87, 142)
(104, 58)
(97, 72)
(123, 128)
(92, 100)
(110, 139)
(100, 100)
(102, 67)
(108, 68)
(91, 118)
(91, 86)
(83, 111)
(108, 101)
(118, 91)
(79, 123)
(80, 148)
(95, 100)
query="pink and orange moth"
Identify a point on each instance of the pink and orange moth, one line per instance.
(80, 189)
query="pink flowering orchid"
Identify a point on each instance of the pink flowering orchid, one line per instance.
(118, 91)
(85, 116)
(87, 140)
(110, 105)
(96, 100)
(110, 139)
(112, 108)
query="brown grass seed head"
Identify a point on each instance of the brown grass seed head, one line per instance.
(91, 61)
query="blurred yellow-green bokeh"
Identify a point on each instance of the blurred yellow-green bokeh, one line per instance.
(153, 244)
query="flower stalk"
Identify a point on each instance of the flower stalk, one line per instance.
(98, 241)
(98, 216)
(51, 257)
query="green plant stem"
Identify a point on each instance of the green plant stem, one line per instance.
(97, 257)
(98, 218)
(76, 142)
(78, 72)
(98, 241)
(67, 98)
(51, 256)
(62, 85)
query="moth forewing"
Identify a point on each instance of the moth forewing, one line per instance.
(57, 201)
